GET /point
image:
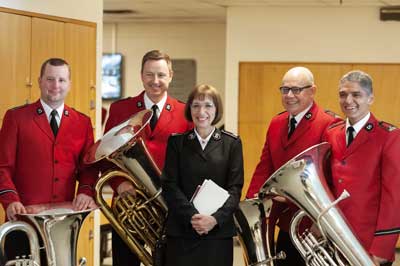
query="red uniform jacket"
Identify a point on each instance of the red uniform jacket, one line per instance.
(278, 150)
(171, 120)
(369, 170)
(36, 167)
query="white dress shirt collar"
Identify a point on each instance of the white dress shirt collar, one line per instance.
(359, 125)
(300, 115)
(203, 142)
(48, 109)
(149, 103)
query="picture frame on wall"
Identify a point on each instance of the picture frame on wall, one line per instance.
(111, 85)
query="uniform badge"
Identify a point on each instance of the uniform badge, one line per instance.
(308, 116)
(139, 104)
(369, 126)
(216, 136)
(39, 111)
(66, 113)
(191, 136)
(168, 107)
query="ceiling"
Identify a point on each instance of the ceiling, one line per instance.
(210, 10)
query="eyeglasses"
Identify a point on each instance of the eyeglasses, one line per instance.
(295, 90)
(198, 106)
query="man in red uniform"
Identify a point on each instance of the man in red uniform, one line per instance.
(289, 133)
(365, 162)
(156, 74)
(40, 165)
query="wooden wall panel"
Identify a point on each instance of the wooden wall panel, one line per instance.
(260, 100)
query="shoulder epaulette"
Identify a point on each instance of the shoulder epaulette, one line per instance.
(282, 112)
(336, 124)
(176, 134)
(387, 126)
(79, 112)
(123, 99)
(229, 134)
(331, 113)
(19, 107)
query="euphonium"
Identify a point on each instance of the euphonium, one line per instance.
(57, 227)
(301, 181)
(138, 220)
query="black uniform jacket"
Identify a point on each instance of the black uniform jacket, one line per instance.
(186, 167)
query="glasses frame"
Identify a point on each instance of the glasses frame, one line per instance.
(295, 90)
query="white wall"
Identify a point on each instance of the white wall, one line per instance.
(204, 42)
(87, 10)
(340, 34)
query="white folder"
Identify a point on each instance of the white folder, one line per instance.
(209, 197)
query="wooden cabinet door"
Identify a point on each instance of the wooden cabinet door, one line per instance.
(80, 52)
(85, 241)
(48, 40)
(15, 48)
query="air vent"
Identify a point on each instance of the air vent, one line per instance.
(119, 11)
(390, 13)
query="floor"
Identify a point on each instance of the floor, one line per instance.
(238, 258)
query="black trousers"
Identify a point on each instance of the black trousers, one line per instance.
(121, 253)
(199, 252)
(293, 257)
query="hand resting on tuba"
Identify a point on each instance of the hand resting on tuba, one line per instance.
(378, 261)
(13, 209)
(83, 202)
(126, 187)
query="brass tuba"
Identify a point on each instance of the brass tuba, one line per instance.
(57, 225)
(301, 181)
(138, 220)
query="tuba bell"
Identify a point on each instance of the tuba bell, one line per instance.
(138, 220)
(253, 226)
(301, 181)
(56, 224)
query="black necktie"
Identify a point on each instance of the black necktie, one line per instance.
(292, 126)
(53, 122)
(350, 135)
(154, 118)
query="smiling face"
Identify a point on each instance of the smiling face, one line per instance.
(203, 113)
(298, 77)
(354, 101)
(54, 84)
(156, 77)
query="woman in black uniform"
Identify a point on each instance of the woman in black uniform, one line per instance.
(202, 153)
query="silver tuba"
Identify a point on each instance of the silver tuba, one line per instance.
(56, 224)
(302, 181)
(253, 227)
(138, 220)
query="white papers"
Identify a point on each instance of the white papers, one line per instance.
(209, 197)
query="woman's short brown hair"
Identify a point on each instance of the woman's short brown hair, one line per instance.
(200, 92)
